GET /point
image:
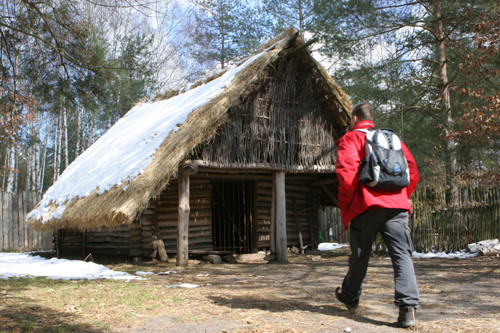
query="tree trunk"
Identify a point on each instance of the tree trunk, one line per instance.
(78, 125)
(444, 94)
(41, 174)
(57, 148)
(223, 47)
(30, 169)
(11, 165)
(65, 129)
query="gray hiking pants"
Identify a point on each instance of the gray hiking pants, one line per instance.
(393, 227)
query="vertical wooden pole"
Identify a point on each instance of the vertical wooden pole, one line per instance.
(2, 194)
(272, 231)
(183, 221)
(281, 239)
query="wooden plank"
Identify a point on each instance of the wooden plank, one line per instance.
(29, 231)
(15, 222)
(24, 232)
(2, 194)
(281, 235)
(20, 224)
(7, 222)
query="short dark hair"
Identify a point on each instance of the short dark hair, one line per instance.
(363, 111)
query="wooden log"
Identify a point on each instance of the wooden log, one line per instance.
(160, 248)
(281, 237)
(183, 222)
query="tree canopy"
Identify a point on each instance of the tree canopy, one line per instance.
(70, 69)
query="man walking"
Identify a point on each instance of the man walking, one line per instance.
(369, 212)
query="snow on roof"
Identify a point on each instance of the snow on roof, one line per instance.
(128, 147)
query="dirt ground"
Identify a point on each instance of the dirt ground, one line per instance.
(457, 295)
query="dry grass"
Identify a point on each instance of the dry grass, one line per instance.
(457, 296)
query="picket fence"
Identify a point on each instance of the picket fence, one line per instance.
(15, 235)
(433, 226)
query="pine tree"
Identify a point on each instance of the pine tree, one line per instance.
(224, 31)
(398, 56)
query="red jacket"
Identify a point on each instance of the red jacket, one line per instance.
(354, 196)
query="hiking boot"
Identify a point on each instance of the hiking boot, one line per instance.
(406, 316)
(351, 305)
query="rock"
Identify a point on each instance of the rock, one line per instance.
(229, 259)
(270, 256)
(213, 259)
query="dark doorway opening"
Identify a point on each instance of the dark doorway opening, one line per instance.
(232, 216)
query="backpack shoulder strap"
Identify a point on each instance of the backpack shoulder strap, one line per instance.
(361, 130)
(369, 132)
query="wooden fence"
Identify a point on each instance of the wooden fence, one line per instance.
(15, 235)
(435, 227)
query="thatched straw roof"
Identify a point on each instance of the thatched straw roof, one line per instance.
(114, 180)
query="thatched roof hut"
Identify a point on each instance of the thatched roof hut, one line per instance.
(279, 111)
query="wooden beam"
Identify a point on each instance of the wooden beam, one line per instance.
(234, 167)
(325, 181)
(183, 222)
(302, 47)
(281, 237)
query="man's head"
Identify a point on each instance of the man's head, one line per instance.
(361, 112)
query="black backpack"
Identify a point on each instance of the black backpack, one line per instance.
(384, 166)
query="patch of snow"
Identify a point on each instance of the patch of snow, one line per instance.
(456, 255)
(25, 265)
(330, 246)
(183, 285)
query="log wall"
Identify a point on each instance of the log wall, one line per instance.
(160, 220)
(299, 212)
(200, 217)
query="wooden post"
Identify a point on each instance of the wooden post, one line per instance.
(272, 231)
(183, 221)
(281, 238)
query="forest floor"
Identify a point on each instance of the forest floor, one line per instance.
(457, 295)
